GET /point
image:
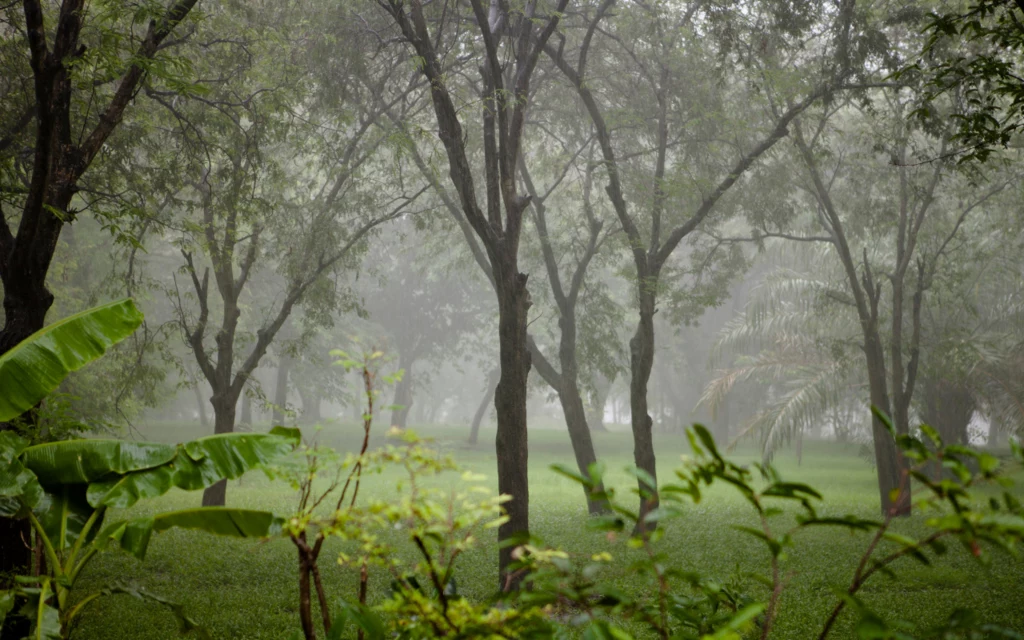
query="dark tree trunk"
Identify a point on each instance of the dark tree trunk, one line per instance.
(481, 411)
(641, 362)
(281, 390)
(888, 461)
(511, 442)
(403, 396)
(224, 422)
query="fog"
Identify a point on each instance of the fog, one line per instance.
(796, 223)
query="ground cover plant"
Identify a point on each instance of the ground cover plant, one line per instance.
(242, 589)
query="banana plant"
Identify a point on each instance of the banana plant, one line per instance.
(65, 489)
(37, 365)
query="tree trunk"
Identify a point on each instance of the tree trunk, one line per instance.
(281, 390)
(511, 443)
(25, 313)
(201, 404)
(888, 461)
(403, 396)
(246, 418)
(598, 401)
(572, 407)
(641, 363)
(478, 417)
(223, 422)
(948, 407)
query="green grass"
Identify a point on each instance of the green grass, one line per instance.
(242, 589)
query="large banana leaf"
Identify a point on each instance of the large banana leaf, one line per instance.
(85, 461)
(133, 535)
(195, 465)
(38, 364)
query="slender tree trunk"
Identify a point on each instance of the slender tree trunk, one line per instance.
(572, 407)
(511, 442)
(481, 411)
(223, 422)
(201, 404)
(281, 390)
(598, 402)
(948, 407)
(246, 418)
(641, 363)
(403, 396)
(888, 461)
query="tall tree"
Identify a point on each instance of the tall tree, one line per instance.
(64, 142)
(660, 161)
(512, 41)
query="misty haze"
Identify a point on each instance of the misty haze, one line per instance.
(599, 319)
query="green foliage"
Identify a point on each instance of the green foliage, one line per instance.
(37, 366)
(571, 594)
(972, 55)
(64, 488)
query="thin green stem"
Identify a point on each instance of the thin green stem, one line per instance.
(96, 516)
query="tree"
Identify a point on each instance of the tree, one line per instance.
(64, 143)
(257, 189)
(651, 158)
(522, 34)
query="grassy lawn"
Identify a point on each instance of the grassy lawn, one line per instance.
(242, 589)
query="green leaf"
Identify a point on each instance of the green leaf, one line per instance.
(85, 461)
(45, 619)
(63, 514)
(193, 466)
(363, 617)
(133, 535)
(7, 599)
(37, 365)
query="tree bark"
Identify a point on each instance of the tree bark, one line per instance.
(511, 442)
(481, 411)
(224, 422)
(403, 395)
(641, 363)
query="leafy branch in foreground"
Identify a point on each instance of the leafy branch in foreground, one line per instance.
(689, 605)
